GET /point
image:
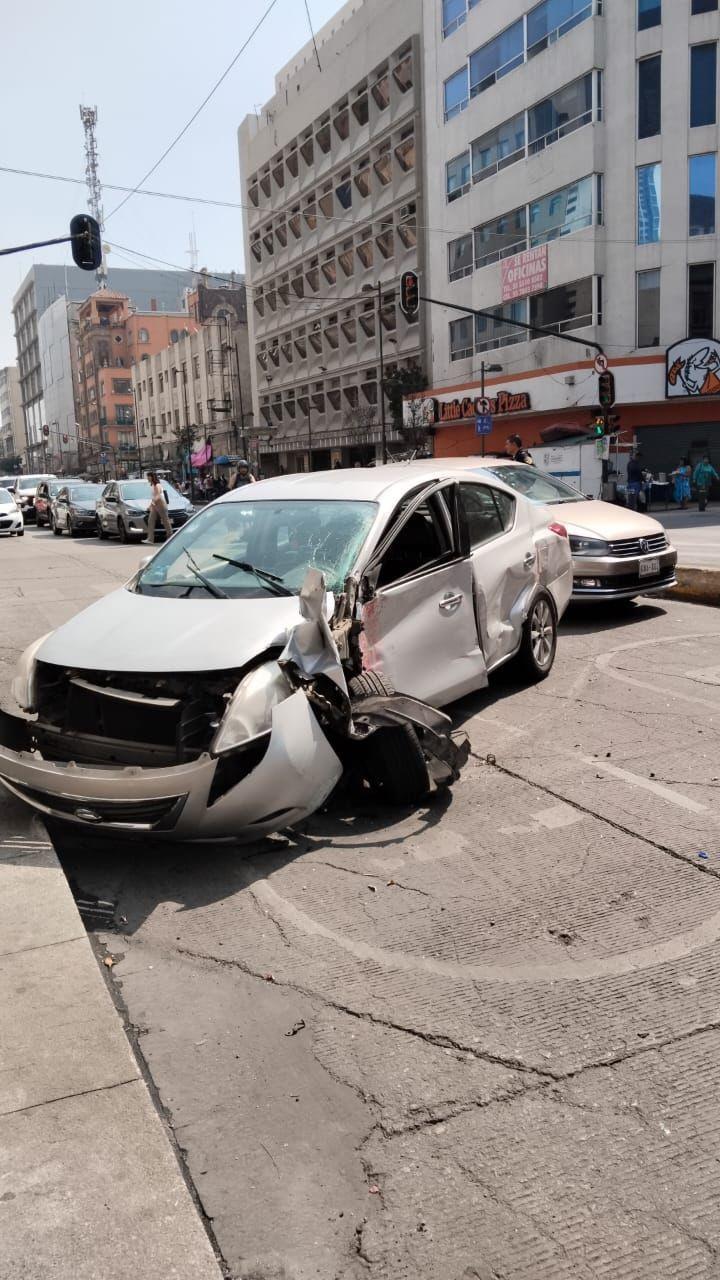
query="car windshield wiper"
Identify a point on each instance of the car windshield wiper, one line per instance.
(209, 586)
(269, 580)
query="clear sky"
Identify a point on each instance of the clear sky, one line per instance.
(146, 65)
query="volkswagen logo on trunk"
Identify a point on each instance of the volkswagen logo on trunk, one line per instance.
(644, 546)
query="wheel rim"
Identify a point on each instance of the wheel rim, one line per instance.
(542, 633)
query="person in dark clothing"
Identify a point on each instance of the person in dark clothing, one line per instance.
(635, 481)
(514, 447)
(243, 475)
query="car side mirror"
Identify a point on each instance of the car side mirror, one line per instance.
(368, 583)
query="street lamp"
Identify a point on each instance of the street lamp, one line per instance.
(369, 288)
(486, 368)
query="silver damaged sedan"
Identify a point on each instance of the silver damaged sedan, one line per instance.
(291, 631)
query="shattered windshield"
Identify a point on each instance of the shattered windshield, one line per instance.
(257, 549)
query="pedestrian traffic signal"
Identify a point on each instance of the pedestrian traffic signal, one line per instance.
(409, 294)
(606, 389)
(598, 427)
(85, 242)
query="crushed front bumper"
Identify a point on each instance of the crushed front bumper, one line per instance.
(296, 774)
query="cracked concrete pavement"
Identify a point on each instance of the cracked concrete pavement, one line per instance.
(508, 996)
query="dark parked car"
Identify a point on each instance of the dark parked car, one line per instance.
(44, 494)
(74, 508)
(124, 506)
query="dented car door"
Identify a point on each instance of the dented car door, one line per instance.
(418, 611)
(504, 565)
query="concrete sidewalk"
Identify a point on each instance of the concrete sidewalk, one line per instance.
(90, 1187)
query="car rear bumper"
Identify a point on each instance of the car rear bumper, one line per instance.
(619, 577)
(295, 775)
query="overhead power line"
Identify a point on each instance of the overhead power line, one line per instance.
(196, 113)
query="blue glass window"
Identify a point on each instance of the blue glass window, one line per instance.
(457, 176)
(454, 13)
(648, 203)
(494, 330)
(703, 84)
(461, 340)
(649, 14)
(552, 19)
(501, 237)
(702, 182)
(562, 212)
(456, 93)
(704, 6)
(649, 99)
(499, 148)
(565, 111)
(496, 58)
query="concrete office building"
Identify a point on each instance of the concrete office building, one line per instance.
(12, 429)
(200, 381)
(42, 286)
(54, 328)
(331, 176)
(571, 167)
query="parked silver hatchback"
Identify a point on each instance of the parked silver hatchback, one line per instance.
(122, 510)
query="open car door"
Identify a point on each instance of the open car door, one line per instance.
(418, 609)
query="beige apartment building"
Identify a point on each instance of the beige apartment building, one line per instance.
(201, 382)
(12, 426)
(331, 179)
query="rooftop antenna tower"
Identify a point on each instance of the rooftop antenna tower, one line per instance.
(88, 115)
(192, 251)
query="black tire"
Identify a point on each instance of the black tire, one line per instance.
(392, 759)
(21, 533)
(101, 533)
(538, 647)
(123, 534)
(56, 530)
(74, 533)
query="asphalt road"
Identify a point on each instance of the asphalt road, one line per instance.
(473, 1042)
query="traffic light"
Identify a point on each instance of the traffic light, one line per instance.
(409, 294)
(598, 427)
(86, 244)
(606, 389)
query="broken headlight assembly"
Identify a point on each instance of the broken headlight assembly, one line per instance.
(249, 711)
(24, 684)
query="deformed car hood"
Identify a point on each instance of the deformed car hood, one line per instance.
(128, 632)
(604, 520)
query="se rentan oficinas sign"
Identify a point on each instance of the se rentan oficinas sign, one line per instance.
(471, 406)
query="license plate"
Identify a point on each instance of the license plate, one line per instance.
(649, 567)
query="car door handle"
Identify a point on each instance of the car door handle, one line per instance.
(450, 601)
(529, 560)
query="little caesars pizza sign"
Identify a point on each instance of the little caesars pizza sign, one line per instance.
(444, 411)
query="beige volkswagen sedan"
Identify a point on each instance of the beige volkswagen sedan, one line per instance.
(617, 554)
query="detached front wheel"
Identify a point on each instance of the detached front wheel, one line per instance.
(391, 758)
(538, 646)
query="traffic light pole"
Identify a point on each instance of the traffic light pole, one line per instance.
(38, 244)
(519, 324)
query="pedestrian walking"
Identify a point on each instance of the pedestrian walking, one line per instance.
(681, 489)
(514, 447)
(634, 481)
(158, 508)
(703, 476)
(243, 475)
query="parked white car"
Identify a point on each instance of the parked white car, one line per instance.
(225, 688)
(11, 517)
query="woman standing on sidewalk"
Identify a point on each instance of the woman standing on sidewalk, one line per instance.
(681, 476)
(158, 508)
(703, 476)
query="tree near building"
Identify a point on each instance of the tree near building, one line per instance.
(186, 437)
(408, 418)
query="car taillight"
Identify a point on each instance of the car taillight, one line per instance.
(559, 529)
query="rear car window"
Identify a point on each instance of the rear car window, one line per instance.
(488, 512)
